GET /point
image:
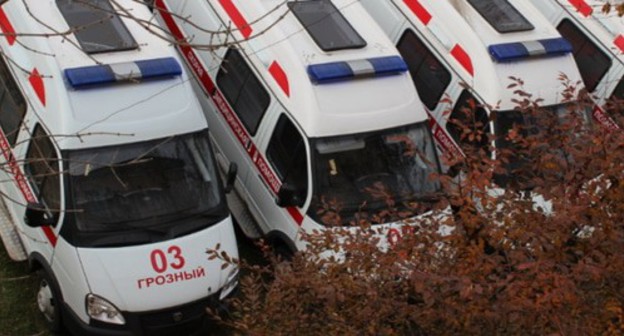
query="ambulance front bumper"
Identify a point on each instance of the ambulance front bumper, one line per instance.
(188, 319)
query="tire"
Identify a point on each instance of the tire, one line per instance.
(282, 250)
(49, 302)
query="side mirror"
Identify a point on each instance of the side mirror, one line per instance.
(37, 215)
(230, 178)
(288, 196)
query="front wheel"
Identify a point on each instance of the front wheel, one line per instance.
(48, 301)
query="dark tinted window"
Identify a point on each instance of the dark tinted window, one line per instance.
(591, 61)
(96, 25)
(429, 75)
(287, 155)
(242, 89)
(42, 169)
(501, 15)
(324, 22)
(468, 123)
(12, 104)
(618, 93)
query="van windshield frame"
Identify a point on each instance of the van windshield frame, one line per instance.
(142, 192)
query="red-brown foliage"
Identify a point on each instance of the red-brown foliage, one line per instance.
(508, 267)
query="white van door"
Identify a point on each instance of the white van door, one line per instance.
(14, 141)
(280, 188)
(41, 167)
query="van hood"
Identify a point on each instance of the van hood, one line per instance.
(388, 234)
(160, 275)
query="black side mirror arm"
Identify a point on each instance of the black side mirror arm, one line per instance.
(230, 178)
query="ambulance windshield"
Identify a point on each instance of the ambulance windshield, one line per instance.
(359, 177)
(144, 192)
(515, 129)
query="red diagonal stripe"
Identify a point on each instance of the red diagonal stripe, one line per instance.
(463, 58)
(420, 11)
(36, 81)
(619, 42)
(582, 7)
(6, 27)
(280, 77)
(236, 17)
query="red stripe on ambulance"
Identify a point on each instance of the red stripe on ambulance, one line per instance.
(619, 42)
(230, 117)
(448, 146)
(36, 81)
(582, 7)
(280, 77)
(463, 58)
(7, 29)
(604, 119)
(421, 13)
(237, 17)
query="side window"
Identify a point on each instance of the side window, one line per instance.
(42, 170)
(591, 61)
(287, 154)
(429, 75)
(242, 89)
(12, 104)
(618, 93)
(468, 113)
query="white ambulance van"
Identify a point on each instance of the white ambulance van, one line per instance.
(597, 40)
(110, 186)
(315, 105)
(461, 51)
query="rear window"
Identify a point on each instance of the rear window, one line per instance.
(501, 15)
(96, 26)
(326, 25)
(592, 62)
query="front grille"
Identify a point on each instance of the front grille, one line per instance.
(184, 320)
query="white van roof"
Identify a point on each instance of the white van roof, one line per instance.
(103, 114)
(282, 50)
(463, 36)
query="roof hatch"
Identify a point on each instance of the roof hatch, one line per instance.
(326, 25)
(96, 25)
(501, 15)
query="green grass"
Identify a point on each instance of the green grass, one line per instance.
(19, 315)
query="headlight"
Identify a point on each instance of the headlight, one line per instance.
(230, 283)
(102, 310)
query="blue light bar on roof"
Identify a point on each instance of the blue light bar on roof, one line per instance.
(89, 76)
(347, 70)
(507, 52)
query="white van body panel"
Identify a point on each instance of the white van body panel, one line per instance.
(152, 285)
(604, 30)
(111, 116)
(457, 23)
(72, 280)
(278, 50)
